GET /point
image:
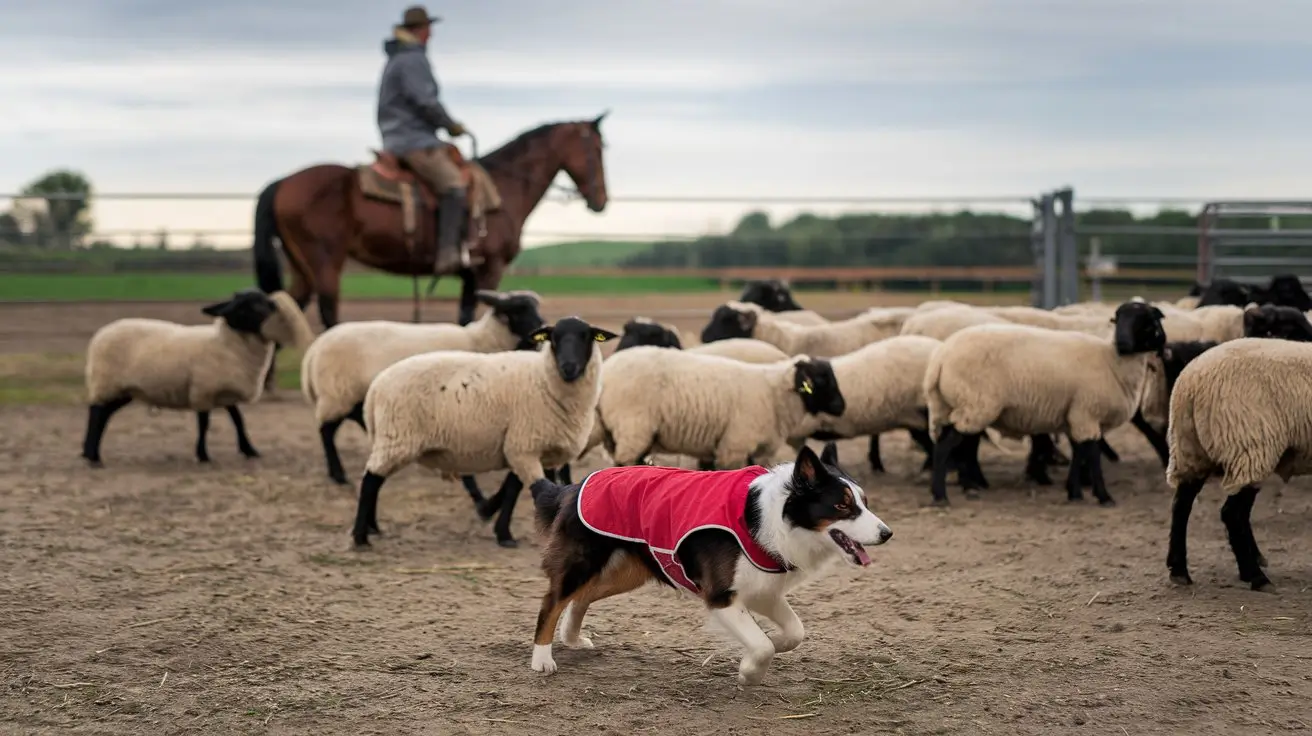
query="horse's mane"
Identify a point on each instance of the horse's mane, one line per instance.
(518, 146)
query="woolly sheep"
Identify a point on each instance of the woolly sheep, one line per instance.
(339, 366)
(736, 319)
(463, 412)
(1239, 411)
(190, 367)
(882, 385)
(713, 408)
(1024, 380)
(1284, 323)
(943, 322)
(772, 294)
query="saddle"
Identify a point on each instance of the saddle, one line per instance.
(388, 179)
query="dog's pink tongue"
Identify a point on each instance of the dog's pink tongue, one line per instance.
(860, 553)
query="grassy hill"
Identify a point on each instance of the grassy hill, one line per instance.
(582, 254)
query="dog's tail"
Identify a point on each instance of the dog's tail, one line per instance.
(546, 501)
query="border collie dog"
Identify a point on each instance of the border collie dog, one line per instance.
(737, 539)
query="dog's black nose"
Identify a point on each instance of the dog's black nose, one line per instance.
(885, 534)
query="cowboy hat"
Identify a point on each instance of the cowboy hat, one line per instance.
(417, 16)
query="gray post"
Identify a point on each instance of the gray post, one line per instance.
(1069, 288)
(1049, 253)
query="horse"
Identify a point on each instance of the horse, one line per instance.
(327, 213)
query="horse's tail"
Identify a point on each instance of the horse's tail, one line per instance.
(268, 272)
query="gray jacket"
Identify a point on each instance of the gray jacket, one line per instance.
(409, 112)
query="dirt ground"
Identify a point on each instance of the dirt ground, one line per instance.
(156, 596)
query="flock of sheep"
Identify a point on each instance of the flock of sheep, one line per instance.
(1218, 383)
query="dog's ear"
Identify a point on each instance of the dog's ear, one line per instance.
(807, 468)
(829, 455)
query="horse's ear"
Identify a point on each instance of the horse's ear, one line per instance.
(596, 124)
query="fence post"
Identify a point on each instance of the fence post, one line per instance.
(1044, 244)
(1069, 288)
(1095, 263)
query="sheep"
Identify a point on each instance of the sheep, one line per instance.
(882, 389)
(772, 294)
(1285, 323)
(464, 412)
(192, 367)
(713, 408)
(1097, 325)
(646, 331)
(339, 366)
(736, 319)
(1024, 380)
(1239, 411)
(942, 322)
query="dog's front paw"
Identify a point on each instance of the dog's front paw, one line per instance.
(542, 661)
(581, 642)
(786, 641)
(752, 669)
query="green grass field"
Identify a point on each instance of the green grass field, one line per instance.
(584, 254)
(174, 287)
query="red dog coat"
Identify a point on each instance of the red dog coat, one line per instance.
(660, 507)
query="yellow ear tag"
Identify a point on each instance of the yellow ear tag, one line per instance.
(806, 387)
(599, 337)
(540, 337)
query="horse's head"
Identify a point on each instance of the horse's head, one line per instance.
(583, 161)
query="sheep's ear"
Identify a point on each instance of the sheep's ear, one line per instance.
(488, 297)
(600, 335)
(541, 334)
(672, 340)
(218, 309)
(829, 455)
(747, 320)
(1158, 313)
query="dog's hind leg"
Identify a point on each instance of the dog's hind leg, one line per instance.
(622, 574)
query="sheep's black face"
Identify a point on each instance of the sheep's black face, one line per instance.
(245, 311)
(1227, 292)
(572, 342)
(647, 333)
(1138, 329)
(728, 323)
(1280, 323)
(815, 381)
(772, 295)
(1287, 290)
(518, 311)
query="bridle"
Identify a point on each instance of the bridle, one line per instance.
(592, 180)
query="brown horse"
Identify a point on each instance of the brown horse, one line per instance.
(321, 216)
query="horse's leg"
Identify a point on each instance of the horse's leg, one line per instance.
(330, 283)
(468, 299)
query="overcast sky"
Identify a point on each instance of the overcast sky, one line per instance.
(718, 97)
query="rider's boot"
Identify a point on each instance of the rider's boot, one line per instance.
(450, 220)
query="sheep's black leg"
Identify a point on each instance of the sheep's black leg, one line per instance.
(704, 464)
(969, 473)
(487, 509)
(1058, 458)
(1106, 449)
(1177, 556)
(471, 487)
(948, 441)
(921, 437)
(1042, 448)
(243, 442)
(549, 474)
(202, 429)
(1236, 513)
(510, 489)
(97, 419)
(366, 512)
(357, 414)
(566, 475)
(1093, 458)
(1156, 439)
(876, 460)
(1074, 476)
(328, 437)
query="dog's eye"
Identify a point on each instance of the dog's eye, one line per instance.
(844, 507)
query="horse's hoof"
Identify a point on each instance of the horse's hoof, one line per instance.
(508, 543)
(1181, 578)
(1107, 503)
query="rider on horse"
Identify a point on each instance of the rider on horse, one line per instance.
(409, 115)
